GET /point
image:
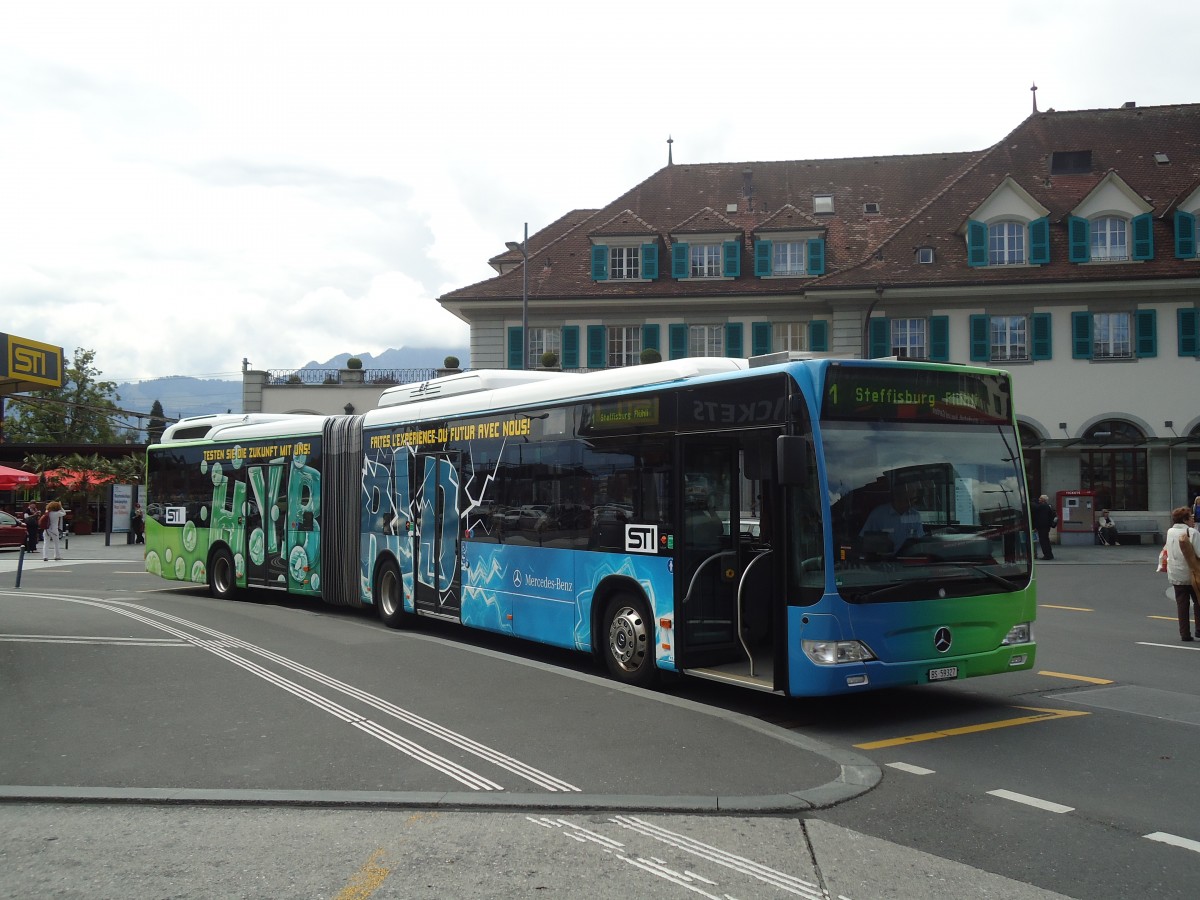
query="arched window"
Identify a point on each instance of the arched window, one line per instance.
(1006, 244)
(1115, 466)
(1110, 238)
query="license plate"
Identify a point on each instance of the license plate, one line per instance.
(946, 674)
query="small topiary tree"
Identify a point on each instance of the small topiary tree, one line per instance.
(549, 359)
(650, 355)
(354, 363)
(450, 362)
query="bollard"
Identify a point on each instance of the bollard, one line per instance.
(20, 566)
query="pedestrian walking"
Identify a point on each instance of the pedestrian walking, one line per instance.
(138, 525)
(1183, 568)
(1043, 520)
(52, 526)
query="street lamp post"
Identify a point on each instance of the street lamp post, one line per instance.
(525, 299)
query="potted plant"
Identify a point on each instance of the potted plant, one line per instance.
(650, 355)
(550, 360)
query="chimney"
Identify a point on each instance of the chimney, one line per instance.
(747, 183)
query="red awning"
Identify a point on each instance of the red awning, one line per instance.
(11, 479)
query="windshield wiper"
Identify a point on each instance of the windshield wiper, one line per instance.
(991, 576)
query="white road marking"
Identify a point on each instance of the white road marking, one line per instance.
(1032, 801)
(1174, 841)
(911, 769)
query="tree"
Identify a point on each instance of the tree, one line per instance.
(158, 423)
(82, 411)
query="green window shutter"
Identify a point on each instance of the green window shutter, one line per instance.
(818, 335)
(596, 352)
(733, 340)
(1039, 241)
(762, 258)
(516, 347)
(879, 338)
(1146, 333)
(677, 336)
(1079, 237)
(1189, 331)
(650, 337)
(939, 338)
(816, 256)
(760, 338)
(977, 243)
(599, 263)
(1041, 344)
(1143, 237)
(1185, 234)
(733, 258)
(650, 261)
(1081, 335)
(680, 261)
(570, 347)
(981, 338)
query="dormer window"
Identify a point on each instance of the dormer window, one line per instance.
(1109, 239)
(1113, 223)
(1006, 244)
(619, 260)
(707, 261)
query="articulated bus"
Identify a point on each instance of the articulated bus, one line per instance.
(801, 526)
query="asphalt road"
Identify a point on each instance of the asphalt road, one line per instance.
(229, 721)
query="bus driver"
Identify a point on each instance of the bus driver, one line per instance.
(897, 521)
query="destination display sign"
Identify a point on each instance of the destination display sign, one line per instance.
(624, 413)
(885, 394)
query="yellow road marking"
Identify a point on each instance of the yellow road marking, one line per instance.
(1086, 678)
(1164, 618)
(366, 881)
(1071, 608)
(1047, 714)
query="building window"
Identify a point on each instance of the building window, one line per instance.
(624, 263)
(1118, 474)
(1006, 244)
(706, 340)
(925, 255)
(1010, 338)
(788, 258)
(789, 336)
(706, 261)
(543, 340)
(908, 339)
(1109, 238)
(1111, 336)
(624, 345)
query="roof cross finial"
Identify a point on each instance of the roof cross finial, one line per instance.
(670, 141)
(1034, 90)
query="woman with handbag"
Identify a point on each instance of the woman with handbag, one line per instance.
(1183, 568)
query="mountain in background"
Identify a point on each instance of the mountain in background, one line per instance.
(182, 396)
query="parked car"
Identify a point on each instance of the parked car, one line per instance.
(12, 531)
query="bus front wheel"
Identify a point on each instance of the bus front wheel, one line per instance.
(629, 640)
(389, 596)
(222, 575)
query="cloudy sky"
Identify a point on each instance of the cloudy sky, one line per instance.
(184, 184)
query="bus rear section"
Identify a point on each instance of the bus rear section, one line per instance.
(928, 574)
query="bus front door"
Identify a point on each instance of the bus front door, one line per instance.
(437, 584)
(725, 562)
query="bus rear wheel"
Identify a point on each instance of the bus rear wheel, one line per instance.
(628, 640)
(222, 574)
(389, 596)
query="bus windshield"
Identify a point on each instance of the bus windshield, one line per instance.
(925, 510)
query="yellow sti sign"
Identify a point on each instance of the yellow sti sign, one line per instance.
(29, 365)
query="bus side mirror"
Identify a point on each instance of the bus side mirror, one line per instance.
(791, 459)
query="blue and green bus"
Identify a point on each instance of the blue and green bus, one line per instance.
(801, 526)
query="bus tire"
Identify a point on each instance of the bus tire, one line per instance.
(389, 596)
(628, 640)
(222, 574)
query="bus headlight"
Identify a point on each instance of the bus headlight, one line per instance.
(831, 653)
(1021, 633)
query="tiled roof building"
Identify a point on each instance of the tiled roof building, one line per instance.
(1066, 253)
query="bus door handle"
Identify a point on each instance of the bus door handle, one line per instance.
(741, 585)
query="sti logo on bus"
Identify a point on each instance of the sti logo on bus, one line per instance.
(176, 515)
(641, 538)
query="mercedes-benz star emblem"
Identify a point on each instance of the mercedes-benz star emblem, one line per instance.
(942, 639)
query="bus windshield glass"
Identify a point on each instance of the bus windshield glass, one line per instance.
(925, 510)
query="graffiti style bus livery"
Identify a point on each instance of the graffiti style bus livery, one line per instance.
(804, 526)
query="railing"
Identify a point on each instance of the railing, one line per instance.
(334, 376)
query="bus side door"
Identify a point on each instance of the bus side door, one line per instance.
(438, 588)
